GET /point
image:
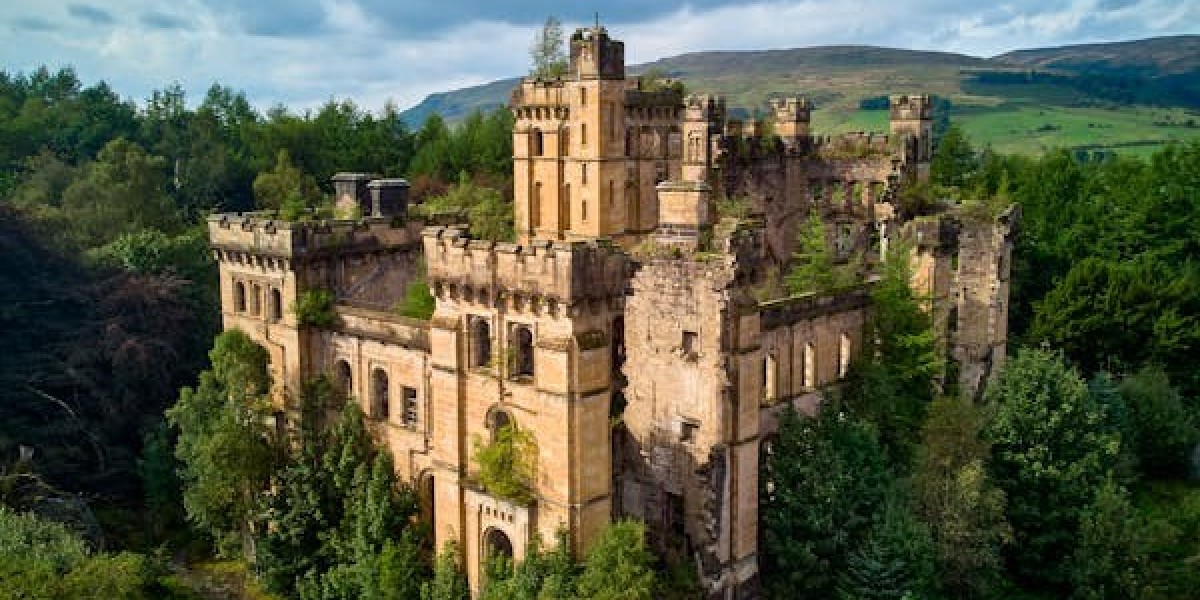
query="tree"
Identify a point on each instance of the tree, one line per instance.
(124, 190)
(542, 575)
(1051, 451)
(894, 561)
(619, 566)
(953, 495)
(814, 268)
(286, 187)
(1113, 558)
(223, 444)
(449, 582)
(893, 381)
(490, 216)
(1164, 432)
(549, 57)
(824, 481)
(954, 162)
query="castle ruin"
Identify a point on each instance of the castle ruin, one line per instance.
(621, 329)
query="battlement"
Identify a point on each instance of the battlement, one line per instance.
(853, 145)
(535, 96)
(260, 234)
(911, 108)
(595, 55)
(562, 271)
(791, 110)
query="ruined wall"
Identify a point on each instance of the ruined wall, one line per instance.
(688, 448)
(981, 298)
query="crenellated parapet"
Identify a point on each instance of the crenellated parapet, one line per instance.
(260, 235)
(911, 107)
(544, 270)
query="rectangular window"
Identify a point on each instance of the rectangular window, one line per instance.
(410, 407)
(687, 431)
(689, 342)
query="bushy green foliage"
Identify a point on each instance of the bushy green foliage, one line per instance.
(223, 444)
(418, 302)
(336, 523)
(489, 214)
(314, 308)
(542, 575)
(1164, 431)
(893, 562)
(954, 496)
(1051, 451)
(286, 188)
(508, 463)
(42, 560)
(1112, 560)
(821, 487)
(449, 582)
(954, 162)
(619, 565)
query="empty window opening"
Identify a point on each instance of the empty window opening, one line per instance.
(481, 342)
(770, 383)
(345, 380)
(239, 296)
(536, 141)
(843, 355)
(379, 395)
(410, 406)
(810, 366)
(689, 343)
(256, 300)
(687, 431)
(497, 419)
(275, 305)
(498, 544)
(521, 348)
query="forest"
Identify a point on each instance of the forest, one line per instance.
(1075, 475)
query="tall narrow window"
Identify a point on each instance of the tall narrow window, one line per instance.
(583, 96)
(345, 379)
(239, 296)
(583, 134)
(256, 300)
(583, 173)
(843, 355)
(521, 347)
(410, 407)
(770, 383)
(275, 305)
(810, 366)
(611, 193)
(481, 342)
(536, 141)
(535, 206)
(564, 209)
(379, 395)
(583, 209)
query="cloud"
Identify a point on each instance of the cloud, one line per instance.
(33, 24)
(304, 52)
(91, 14)
(158, 20)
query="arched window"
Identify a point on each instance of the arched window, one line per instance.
(810, 366)
(536, 141)
(843, 355)
(345, 378)
(497, 544)
(521, 348)
(239, 297)
(497, 418)
(275, 305)
(379, 395)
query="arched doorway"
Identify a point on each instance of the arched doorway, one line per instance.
(496, 543)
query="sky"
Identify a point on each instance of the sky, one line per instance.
(302, 53)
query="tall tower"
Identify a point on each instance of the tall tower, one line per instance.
(912, 118)
(791, 119)
(590, 148)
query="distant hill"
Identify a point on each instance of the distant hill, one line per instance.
(1152, 58)
(1127, 96)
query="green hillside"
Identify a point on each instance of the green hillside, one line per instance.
(1127, 97)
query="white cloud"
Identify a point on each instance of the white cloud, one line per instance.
(343, 49)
